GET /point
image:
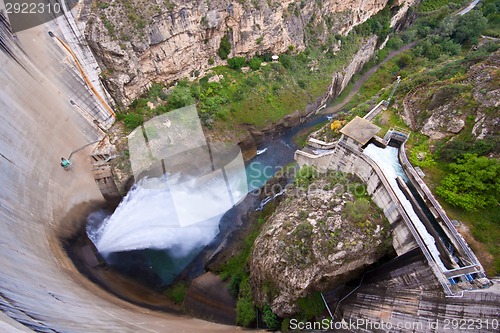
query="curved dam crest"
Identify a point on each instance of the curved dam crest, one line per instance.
(39, 285)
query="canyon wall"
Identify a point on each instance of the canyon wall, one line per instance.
(138, 43)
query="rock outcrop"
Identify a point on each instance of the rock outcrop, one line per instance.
(443, 109)
(141, 42)
(315, 242)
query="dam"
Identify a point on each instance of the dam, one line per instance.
(49, 111)
(53, 107)
(435, 272)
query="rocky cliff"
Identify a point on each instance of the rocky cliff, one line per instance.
(163, 41)
(316, 242)
(444, 108)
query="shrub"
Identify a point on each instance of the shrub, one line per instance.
(245, 312)
(394, 43)
(286, 61)
(237, 62)
(225, 47)
(255, 63)
(180, 97)
(305, 176)
(403, 60)
(474, 183)
(303, 230)
(270, 319)
(267, 57)
(311, 306)
(133, 120)
(357, 210)
(156, 91)
(177, 293)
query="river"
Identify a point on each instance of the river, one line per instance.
(159, 266)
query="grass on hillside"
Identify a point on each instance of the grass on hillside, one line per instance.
(431, 5)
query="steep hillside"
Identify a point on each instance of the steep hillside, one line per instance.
(467, 102)
(164, 41)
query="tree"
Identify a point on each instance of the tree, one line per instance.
(237, 62)
(474, 183)
(180, 97)
(270, 319)
(469, 27)
(225, 47)
(255, 63)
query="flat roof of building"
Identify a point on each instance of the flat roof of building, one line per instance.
(360, 130)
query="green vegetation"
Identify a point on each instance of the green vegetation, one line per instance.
(473, 183)
(420, 154)
(358, 210)
(491, 10)
(267, 93)
(379, 25)
(180, 97)
(236, 272)
(442, 38)
(255, 63)
(237, 62)
(245, 309)
(134, 16)
(225, 47)
(271, 320)
(305, 176)
(440, 64)
(431, 5)
(177, 292)
(451, 151)
(469, 27)
(311, 306)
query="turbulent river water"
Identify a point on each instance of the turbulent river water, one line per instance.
(158, 248)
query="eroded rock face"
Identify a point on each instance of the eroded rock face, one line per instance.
(143, 42)
(312, 243)
(443, 109)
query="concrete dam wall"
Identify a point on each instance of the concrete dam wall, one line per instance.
(42, 204)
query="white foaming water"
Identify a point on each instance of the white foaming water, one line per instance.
(164, 213)
(388, 161)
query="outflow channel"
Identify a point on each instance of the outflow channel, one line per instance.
(432, 234)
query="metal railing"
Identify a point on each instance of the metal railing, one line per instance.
(471, 256)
